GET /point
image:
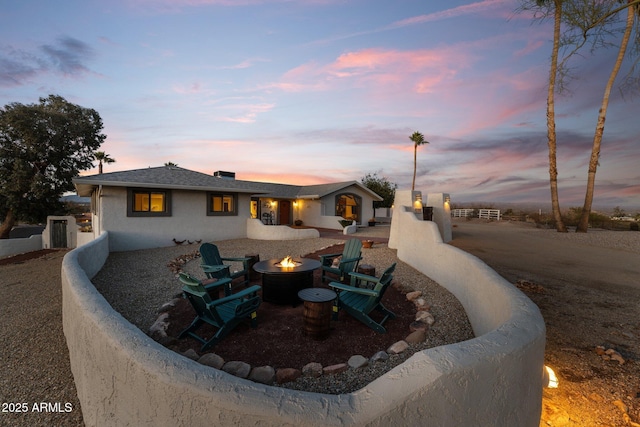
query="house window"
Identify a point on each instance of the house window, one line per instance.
(222, 204)
(144, 202)
(348, 206)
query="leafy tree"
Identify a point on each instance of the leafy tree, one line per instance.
(418, 139)
(619, 212)
(382, 187)
(102, 157)
(42, 147)
(171, 164)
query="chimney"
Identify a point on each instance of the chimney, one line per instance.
(224, 174)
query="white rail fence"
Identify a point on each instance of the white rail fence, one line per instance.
(462, 213)
(482, 213)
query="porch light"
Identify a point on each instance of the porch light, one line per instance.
(417, 202)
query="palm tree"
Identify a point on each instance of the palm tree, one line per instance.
(583, 224)
(102, 157)
(418, 139)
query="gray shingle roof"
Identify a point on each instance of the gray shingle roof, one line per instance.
(173, 177)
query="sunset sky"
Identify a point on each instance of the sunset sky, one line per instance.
(313, 91)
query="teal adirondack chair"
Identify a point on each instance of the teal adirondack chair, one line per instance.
(363, 296)
(224, 313)
(351, 256)
(214, 267)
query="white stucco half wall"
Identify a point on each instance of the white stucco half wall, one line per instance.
(258, 231)
(9, 247)
(123, 377)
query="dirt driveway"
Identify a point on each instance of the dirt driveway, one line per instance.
(588, 290)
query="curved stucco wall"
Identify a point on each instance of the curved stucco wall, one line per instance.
(123, 377)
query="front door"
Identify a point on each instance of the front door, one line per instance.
(285, 212)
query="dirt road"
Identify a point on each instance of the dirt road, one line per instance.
(588, 290)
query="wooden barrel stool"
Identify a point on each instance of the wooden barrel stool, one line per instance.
(318, 304)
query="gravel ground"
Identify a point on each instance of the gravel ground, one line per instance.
(36, 385)
(139, 304)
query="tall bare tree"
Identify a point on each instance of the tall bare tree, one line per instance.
(583, 224)
(584, 21)
(551, 114)
(418, 139)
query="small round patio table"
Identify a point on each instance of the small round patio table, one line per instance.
(317, 311)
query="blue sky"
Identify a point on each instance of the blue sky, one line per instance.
(313, 91)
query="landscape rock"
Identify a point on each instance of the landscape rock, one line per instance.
(380, 356)
(313, 369)
(237, 368)
(413, 295)
(418, 326)
(421, 304)
(398, 347)
(357, 362)
(416, 337)
(159, 328)
(286, 375)
(263, 375)
(335, 369)
(212, 359)
(425, 316)
(191, 354)
(168, 305)
(617, 357)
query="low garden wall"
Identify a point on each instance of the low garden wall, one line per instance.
(258, 231)
(123, 377)
(9, 247)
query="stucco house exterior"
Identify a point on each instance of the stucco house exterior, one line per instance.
(153, 207)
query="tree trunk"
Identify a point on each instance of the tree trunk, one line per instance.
(583, 224)
(551, 121)
(7, 225)
(415, 164)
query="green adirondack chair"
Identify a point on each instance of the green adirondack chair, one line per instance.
(224, 313)
(363, 296)
(351, 256)
(214, 267)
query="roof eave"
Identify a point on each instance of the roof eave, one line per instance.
(87, 187)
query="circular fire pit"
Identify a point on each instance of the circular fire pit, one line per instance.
(280, 285)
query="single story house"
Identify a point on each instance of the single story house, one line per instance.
(155, 207)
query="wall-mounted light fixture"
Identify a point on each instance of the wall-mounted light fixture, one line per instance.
(417, 201)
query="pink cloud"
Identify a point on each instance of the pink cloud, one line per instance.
(417, 71)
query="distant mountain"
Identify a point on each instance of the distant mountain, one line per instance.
(72, 198)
